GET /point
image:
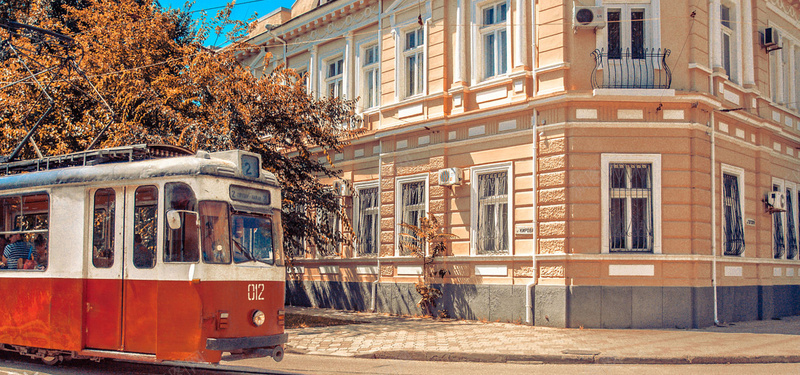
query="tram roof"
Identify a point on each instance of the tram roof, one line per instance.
(220, 164)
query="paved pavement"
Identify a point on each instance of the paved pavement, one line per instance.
(393, 337)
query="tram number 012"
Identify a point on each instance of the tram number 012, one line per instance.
(255, 292)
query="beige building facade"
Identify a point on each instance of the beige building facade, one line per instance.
(603, 163)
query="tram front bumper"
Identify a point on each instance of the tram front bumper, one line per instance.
(236, 343)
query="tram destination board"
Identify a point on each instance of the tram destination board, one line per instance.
(250, 195)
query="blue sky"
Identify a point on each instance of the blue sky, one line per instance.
(243, 10)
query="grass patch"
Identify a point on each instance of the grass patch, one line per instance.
(307, 321)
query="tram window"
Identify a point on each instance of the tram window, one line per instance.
(103, 228)
(181, 245)
(24, 221)
(216, 240)
(251, 239)
(145, 215)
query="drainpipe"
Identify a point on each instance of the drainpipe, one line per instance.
(714, 218)
(532, 283)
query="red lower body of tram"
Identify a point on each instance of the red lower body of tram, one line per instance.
(147, 320)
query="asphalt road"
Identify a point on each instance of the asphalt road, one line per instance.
(309, 364)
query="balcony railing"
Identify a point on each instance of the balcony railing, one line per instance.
(640, 69)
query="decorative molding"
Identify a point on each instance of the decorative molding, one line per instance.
(387, 271)
(551, 272)
(523, 272)
(333, 29)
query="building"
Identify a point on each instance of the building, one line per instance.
(621, 163)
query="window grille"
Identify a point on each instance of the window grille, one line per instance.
(367, 222)
(779, 246)
(493, 213)
(412, 198)
(630, 207)
(329, 222)
(734, 231)
(791, 234)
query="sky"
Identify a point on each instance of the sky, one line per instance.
(242, 10)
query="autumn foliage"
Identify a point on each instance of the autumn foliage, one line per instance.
(163, 86)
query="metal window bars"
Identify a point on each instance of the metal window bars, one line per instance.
(778, 244)
(630, 207)
(791, 234)
(367, 222)
(638, 69)
(734, 231)
(492, 236)
(412, 198)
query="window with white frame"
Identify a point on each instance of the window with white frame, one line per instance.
(491, 207)
(785, 78)
(732, 202)
(412, 207)
(494, 39)
(626, 32)
(414, 61)
(778, 231)
(631, 203)
(791, 222)
(367, 218)
(370, 73)
(729, 40)
(796, 100)
(334, 74)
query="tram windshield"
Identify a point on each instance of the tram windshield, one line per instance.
(251, 239)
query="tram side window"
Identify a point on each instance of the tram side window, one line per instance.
(103, 232)
(216, 240)
(181, 245)
(24, 223)
(145, 215)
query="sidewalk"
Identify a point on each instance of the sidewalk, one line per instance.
(391, 337)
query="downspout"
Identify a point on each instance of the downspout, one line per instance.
(532, 283)
(373, 302)
(714, 218)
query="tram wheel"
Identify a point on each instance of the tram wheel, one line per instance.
(51, 360)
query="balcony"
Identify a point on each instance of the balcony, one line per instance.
(640, 69)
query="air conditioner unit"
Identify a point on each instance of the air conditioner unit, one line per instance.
(776, 201)
(770, 38)
(341, 188)
(589, 17)
(450, 176)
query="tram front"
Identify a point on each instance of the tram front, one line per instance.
(241, 278)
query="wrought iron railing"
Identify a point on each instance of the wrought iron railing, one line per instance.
(637, 69)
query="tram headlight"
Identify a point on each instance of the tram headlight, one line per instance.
(258, 318)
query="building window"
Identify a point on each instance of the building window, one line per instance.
(329, 223)
(414, 56)
(631, 203)
(334, 74)
(778, 240)
(729, 41)
(626, 33)
(367, 221)
(494, 39)
(732, 204)
(412, 208)
(791, 225)
(371, 77)
(491, 206)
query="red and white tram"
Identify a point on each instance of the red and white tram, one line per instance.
(146, 253)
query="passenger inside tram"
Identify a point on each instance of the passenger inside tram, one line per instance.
(40, 254)
(15, 252)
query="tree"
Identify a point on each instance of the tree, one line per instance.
(426, 241)
(165, 87)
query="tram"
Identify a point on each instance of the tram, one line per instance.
(146, 253)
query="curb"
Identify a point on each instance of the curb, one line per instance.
(575, 358)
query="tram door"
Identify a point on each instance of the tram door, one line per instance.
(121, 289)
(103, 285)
